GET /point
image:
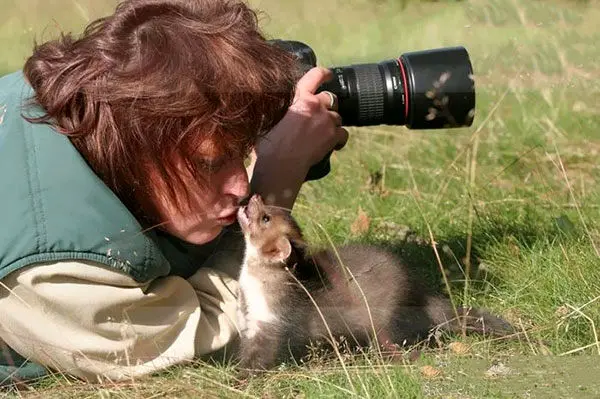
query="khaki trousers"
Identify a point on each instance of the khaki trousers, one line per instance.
(83, 319)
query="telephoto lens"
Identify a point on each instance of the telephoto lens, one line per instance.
(431, 89)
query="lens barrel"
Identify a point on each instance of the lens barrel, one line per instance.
(369, 94)
(430, 89)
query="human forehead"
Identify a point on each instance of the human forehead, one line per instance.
(219, 148)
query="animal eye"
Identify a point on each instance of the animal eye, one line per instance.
(266, 218)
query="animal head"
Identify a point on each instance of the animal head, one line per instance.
(269, 231)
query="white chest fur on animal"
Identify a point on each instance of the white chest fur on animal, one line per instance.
(256, 307)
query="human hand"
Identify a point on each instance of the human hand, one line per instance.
(307, 133)
(310, 129)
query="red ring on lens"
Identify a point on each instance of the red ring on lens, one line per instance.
(405, 86)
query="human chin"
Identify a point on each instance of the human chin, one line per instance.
(199, 233)
(203, 236)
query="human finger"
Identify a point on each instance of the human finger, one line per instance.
(342, 138)
(337, 119)
(312, 79)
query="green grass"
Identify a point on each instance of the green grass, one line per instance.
(515, 195)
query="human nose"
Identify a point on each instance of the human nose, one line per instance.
(236, 181)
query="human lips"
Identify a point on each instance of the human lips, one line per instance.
(228, 218)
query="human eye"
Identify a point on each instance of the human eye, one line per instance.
(210, 165)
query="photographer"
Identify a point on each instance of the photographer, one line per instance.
(120, 178)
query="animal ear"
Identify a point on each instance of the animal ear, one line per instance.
(278, 250)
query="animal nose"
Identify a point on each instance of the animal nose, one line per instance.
(256, 198)
(254, 205)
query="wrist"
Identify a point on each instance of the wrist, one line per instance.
(278, 179)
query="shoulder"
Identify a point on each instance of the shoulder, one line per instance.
(53, 206)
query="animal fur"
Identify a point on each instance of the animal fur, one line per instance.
(361, 292)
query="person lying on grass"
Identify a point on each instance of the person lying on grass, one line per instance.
(122, 166)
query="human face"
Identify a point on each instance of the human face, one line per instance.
(215, 206)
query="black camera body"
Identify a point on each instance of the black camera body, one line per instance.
(430, 89)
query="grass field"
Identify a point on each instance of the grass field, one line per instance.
(513, 199)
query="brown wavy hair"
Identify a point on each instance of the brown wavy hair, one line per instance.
(140, 90)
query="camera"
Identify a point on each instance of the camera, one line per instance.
(429, 89)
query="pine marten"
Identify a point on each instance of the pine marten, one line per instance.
(361, 291)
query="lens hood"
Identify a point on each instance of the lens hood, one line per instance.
(440, 88)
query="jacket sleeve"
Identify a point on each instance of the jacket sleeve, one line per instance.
(86, 320)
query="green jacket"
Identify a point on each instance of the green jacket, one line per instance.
(53, 207)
